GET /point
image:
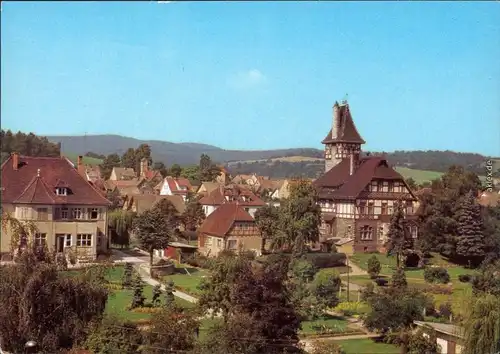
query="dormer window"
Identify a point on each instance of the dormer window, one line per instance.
(61, 191)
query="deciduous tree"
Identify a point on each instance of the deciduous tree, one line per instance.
(155, 227)
(175, 170)
(193, 216)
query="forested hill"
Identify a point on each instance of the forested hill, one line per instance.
(26, 144)
(282, 162)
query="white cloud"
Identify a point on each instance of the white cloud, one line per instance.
(247, 79)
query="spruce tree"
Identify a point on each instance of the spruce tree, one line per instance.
(399, 238)
(470, 240)
(399, 279)
(138, 298)
(156, 295)
(127, 276)
(169, 293)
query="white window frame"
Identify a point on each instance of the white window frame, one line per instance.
(366, 233)
(77, 213)
(96, 210)
(68, 237)
(40, 239)
(230, 242)
(61, 191)
(84, 240)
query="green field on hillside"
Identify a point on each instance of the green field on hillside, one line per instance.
(420, 176)
(86, 160)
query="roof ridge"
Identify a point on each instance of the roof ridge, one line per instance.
(35, 180)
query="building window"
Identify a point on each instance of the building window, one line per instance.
(61, 191)
(385, 209)
(370, 208)
(84, 240)
(23, 213)
(413, 231)
(77, 213)
(40, 239)
(391, 187)
(93, 213)
(374, 187)
(409, 208)
(231, 244)
(42, 213)
(366, 233)
(219, 243)
(362, 208)
(67, 240)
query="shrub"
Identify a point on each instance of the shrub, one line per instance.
(381, 281)
(199, 260)
(326, 260)
(464, 278)
(62, 263)
(112, 286)
(162, 262)
(373, 266)
(350, 308)
(72, 257)
(439, 289)
(127, 275)
(430, 309)
(146, 309)
(445, 310)
(436, 275)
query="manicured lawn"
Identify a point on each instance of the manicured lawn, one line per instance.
(187, 278)
(367, 346)
(119, 300)
(333, 323)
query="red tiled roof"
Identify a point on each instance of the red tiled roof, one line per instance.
(175, 185)
(347, 131)
(222, 219)
(36, 178)
(345, 186)
(244, 196)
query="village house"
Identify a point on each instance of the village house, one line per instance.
(224, 177)
(231, 194)
(229, 227)
(139, 203)
(449, 337)
(207, 187)
(175, 186)
(488, 199)
(122, 173)
(357, 194)
(68, 212)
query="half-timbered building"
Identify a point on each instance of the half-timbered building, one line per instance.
(357, 193)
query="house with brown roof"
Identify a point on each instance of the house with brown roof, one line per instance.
(148, 174)
(231, 194)
(122, 174)
(139, 203)
(488, 199)
(357, 194)
(207, 187)
(224, 177)
(449, 337)
(229, 227)
(68, 211)
(175, 186)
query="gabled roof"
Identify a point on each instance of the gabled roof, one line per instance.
(234, 193)
(144, 202)
(347, 132)
(337, 183)
(209, 186)
(124, 172)
(222, 219)
(36, 178)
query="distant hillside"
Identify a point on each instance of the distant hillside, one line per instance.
(167, 152)
(189, 153)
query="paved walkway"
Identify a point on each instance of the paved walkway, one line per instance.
(141, 263)
(355, 270)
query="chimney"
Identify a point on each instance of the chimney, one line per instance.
(59, 146)
(15, 161)
(335, 120)
(144, 167)
(81, 167)
(351, 164)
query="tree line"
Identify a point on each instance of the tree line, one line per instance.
(26, 144)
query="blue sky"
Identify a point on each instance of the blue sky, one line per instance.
(419, 75)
